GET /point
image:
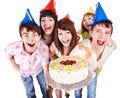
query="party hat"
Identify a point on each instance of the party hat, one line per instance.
(50, 6)
(100, 15)
(67, 17)
(28, 18)
(90, 10)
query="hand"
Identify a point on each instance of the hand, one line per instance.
(96, 69)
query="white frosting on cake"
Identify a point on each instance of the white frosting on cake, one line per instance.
(68, 74)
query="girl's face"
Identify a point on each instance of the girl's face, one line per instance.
(100, 35)
(65, 37)
(30, 40)
(87, 20)
(47, 24)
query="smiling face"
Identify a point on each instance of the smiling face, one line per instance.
(64, 37)
(101, 34)
(47, 24)
(30, 39)
(87, 20)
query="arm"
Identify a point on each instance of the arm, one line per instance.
(14, 64)
(52, 53)
(45, 69)
(112, 44)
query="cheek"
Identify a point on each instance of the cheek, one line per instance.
(53, 24)
(108, 37)
(70, 37)
(95, 35)
(24, 39)
(59, 37)
(42, 24)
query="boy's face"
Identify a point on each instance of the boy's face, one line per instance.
(47, 24)
(100, 35)
(30, 40)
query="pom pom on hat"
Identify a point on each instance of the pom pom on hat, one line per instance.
(50, 7)
(67, 17)
(90, 10)
(28, 19)
(100, 15)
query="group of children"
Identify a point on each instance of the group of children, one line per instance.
(52, 38)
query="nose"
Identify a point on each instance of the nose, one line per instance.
(65, 36)
(45, 22)
(102, 35)
(31, 38)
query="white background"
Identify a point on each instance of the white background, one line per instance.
(13, 11)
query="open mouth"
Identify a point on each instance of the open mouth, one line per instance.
(47, 29)
(31, 45)
(99, 42)
(65, 42)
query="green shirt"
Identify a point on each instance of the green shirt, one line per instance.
(85, 35)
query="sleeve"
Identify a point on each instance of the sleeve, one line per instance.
(45, 55)
(10, 50)
(106, 55)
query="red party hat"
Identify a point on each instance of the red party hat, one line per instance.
(50, 6)
(67, 17)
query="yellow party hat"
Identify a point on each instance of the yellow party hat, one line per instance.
(90, 10)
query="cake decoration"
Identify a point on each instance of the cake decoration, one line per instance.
(69, 63)
(72, 68)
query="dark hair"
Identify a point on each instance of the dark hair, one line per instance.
(30, 27)
(44, 14)
(105, 23)
(64, 24)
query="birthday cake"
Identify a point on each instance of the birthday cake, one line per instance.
(68, 69)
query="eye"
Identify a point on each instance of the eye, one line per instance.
(59, 33)
(51, 19)
(42, 20)
(35, 34)
(98, 31)
(108, 33)
(68, 32)
(25, 35)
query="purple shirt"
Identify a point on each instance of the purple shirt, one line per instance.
(29, 64)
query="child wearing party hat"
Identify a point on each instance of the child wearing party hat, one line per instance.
(30, 56)
(65, 39)
(87, 19)
(47, 20)
(96, 49)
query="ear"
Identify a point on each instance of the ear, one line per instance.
(21, 38)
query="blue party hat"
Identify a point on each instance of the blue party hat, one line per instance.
(100, 15)
(28, 19)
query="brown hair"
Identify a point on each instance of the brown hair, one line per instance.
(106, 24)
(65, 24)
(30, 27)
(83, 29)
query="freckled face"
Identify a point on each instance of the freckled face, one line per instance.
(47, 24)
(87, 21)
(30, 40)
(65, 37)
(100, 35)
